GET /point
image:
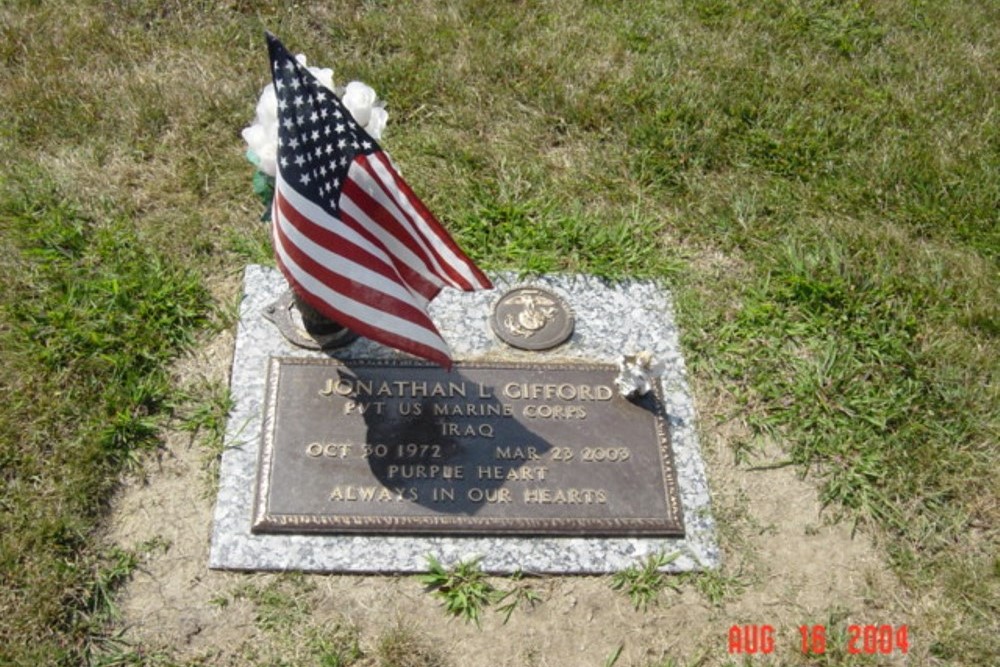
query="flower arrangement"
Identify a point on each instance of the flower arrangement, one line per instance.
(262, 135)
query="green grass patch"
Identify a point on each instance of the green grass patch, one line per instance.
(538, 237)
(466, 591)
(92, 316)
(644, 583)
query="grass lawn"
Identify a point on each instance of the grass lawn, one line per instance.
(839, 160)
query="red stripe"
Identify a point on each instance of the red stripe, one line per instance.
(379, 213)
(364, 328)
(335, 243)
(411, 277)
(388, 222)
(341, 283)
(451, 274)
(443, 236)
(417, 241)
(376, 334)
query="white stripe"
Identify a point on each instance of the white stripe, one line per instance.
(374, 188)
(349, 268)
(394, 246)
(315, 213)
(373, 317)
(460, 264)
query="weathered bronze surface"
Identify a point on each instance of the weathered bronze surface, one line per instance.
(532, 318)
(489, 448)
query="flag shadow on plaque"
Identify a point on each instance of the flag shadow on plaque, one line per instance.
(458, 456)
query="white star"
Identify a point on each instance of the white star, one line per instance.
(339, 128)
(299, 160)
(288, 124)
(341, 144)
(305, 179)
(315, 135)
(298, 101)
(366, 144)
(314, 116)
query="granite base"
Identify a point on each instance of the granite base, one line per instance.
(611, 320)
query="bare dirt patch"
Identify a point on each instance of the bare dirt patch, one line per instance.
(784, 566)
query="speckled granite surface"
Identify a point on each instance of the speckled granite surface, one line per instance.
(610, 320)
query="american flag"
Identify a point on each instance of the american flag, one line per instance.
(349, 234)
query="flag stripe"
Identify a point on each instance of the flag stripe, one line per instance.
(363, 174)
(345, 297)
(338, 239)
(408, 214)
(367, 318)
(416, 208)
(317, 295)
(368, 274)
(420, 281)
(363, 212)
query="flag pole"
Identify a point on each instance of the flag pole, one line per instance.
(313, 321)
(304, 326)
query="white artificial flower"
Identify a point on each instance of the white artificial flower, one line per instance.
(324, 74)
(267, 106)
(637, 373)
(376, 122)
(258, 138)
(359, 98)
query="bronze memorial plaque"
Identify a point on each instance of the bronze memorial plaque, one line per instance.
(365, 446)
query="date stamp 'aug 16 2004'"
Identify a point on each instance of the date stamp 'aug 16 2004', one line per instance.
(760, 639)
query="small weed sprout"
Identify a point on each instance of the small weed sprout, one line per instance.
(643, 584)
(464, 587)
(467, 592)
(612, 658)
(521, 594)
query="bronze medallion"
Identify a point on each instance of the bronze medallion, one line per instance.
(532, 318)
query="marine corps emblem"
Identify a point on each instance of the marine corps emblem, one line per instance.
(532, 318)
